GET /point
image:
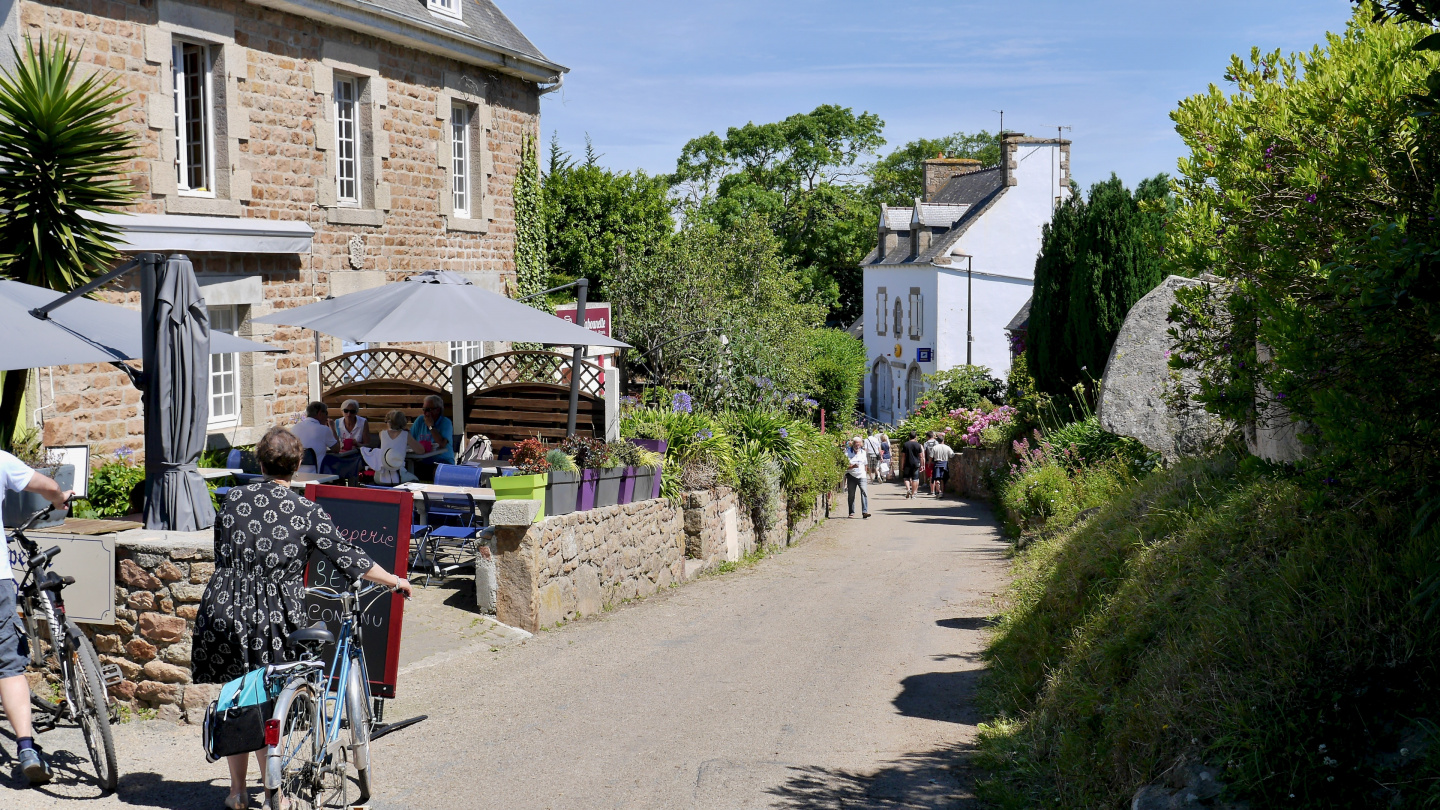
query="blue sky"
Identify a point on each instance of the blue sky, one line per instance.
(646, 76)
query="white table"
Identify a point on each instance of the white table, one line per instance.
(212, 473)
(301, 479)
(484, 497)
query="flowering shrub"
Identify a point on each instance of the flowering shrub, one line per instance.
(680, 403)
(976, 422)
(529, 457)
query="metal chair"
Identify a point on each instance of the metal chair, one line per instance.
(449, 542)
(456, 475)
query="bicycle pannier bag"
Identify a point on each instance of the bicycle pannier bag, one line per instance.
(235, 721)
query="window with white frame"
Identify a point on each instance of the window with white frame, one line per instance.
(881, 309)
(917, 314)
(460, 119)
(450, 7)
(465, 351)
(224, 380)
(194, 66)
(347, 140)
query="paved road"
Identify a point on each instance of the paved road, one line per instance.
(837, 674)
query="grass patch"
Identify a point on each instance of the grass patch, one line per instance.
(1217, 609)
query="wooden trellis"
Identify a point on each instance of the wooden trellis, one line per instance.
(382, 380)
(515, 396)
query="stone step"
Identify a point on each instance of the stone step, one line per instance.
(692, 569)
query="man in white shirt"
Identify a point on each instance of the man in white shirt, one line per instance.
(14, 646)
(940, 455)
(855, 476)
(315, 433)
(873, 454)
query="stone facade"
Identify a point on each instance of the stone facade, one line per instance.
(274, 146)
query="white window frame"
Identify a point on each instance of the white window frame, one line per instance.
(450, 8)
(183, 120)
(882, 312)
(462, 196)
(348, 170)
(917, 314)
(224, 377)
(465, 351)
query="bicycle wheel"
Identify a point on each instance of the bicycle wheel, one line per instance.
(92, 705)
(293, 765)
(357, 696)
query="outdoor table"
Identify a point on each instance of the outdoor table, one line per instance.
(212, 473)
(484, 498)
(301, 479)
(411, 458)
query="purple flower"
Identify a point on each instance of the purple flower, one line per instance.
(704, 434)
(810, 403)
(125, 453)
(1310, 199)
(680, 403)
(784, 434)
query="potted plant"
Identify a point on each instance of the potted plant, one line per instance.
(627, 454)
(647, 476)
(531, 475)
(611, 471)
(589, 455)
(21, 505)
(562, 491)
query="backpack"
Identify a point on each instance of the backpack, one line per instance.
(477, 449)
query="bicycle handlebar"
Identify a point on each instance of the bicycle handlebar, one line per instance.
(46, 512)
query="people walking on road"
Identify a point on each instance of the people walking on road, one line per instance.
(929, 472)
(887, 461)
(872, 456)
(912, 460)
(856, 478)
(15, 476)
(940, 455)
(263, 538)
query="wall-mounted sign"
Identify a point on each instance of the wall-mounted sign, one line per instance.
(925, 355)
(899, 350)
(597, 316)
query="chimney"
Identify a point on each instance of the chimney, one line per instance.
(939, 170)
(1009, 143)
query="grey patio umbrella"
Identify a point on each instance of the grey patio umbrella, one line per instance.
(431, 307)
(80, 331)
(177, 396)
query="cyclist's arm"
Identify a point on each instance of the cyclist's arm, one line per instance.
(45, 486)
(381, 576)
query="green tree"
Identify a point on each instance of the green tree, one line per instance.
(837, 366)
(1097, 258)
(64, 158)
(597, 218)
(899, 177)
(798, 176)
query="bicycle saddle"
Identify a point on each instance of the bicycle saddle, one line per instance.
(314, 634)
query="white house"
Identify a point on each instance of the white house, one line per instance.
(962, 258)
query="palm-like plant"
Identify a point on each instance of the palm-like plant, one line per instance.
(61, 157)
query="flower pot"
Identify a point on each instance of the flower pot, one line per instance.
(585, 499)
(521, 488)
(21, 505)
(561, 492)
(627, 485)
(645, 478)
(654, 446)
(607, 489)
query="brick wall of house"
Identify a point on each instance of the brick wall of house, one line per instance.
(279, 105)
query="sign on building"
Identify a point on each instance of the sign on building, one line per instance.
(597, 316)
(925, 355)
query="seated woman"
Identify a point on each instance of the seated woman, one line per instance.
(388, 460)
(351, 433)
(315, 434)
(434, 431)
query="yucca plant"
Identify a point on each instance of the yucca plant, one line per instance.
(62, 156)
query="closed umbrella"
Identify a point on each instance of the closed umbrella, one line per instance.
(177, 396)
(80, 331)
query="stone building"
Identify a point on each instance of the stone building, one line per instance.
(295, 149)
(956, 265)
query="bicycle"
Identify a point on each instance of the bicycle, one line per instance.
(71, 663)
(306, 761)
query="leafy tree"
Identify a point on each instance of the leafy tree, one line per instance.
(718, 311)
(598, 218)
(64, 158)
(796, 175)
(899, 177)
(837, 365)
(1097, 258)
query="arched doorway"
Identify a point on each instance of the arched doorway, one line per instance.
(914, 387)
(877, 384)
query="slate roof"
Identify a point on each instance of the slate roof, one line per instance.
(936, 215)
(1021, 319)
(976, 190)
(480, 19)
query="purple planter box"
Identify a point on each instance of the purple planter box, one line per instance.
(627, 485)
(585, 501)
(654, 446)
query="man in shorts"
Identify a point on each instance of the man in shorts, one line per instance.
(929, 471)
(872, 457)
(912, 455)
(940, 455)
(14, 646)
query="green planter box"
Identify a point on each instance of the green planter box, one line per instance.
(521, 488)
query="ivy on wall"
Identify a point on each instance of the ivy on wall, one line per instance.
(531, 265)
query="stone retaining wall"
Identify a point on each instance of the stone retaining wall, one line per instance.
(803, 520)
(969, 469)
(718, 528)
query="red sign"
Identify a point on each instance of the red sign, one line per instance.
(597, 316)
(377, 522)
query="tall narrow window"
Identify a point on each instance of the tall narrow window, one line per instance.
(917, 314)
(194, 114)
(465, 351)
(881, 310)
(224, 399)
(460, 159)
(899, 313)
(347, 140)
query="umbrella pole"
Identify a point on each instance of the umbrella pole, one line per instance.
(148, 360)
(582, 291)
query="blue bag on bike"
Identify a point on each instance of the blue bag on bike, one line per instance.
(235, 721)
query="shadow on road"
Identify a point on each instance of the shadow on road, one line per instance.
(932, 779)
(948, 697)
(967, 623)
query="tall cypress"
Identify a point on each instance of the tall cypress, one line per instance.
(1048, 358)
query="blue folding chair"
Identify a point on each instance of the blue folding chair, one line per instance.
(232, 461)
(457, 475)
(449, 542)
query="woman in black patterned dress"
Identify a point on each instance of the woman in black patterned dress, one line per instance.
(255, 599)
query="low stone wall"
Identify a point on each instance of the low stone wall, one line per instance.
(160, 578)
(803, 520)
(574, 565)
(970, 468)
(718, 528)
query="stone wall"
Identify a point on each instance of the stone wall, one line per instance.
(969, 469)
(802, 520)
(718, 528)
(159, 582)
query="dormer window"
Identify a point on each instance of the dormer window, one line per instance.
(450, 8)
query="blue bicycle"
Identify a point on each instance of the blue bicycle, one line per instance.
(319, 737)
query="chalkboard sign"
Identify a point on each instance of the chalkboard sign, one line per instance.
(377, 522)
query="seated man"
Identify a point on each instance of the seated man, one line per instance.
(434, 432)
(315, 433)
